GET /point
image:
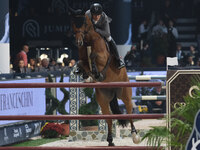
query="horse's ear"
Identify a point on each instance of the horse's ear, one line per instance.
(83, 12)
(71, 11)
(79, 12)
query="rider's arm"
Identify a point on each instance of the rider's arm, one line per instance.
(104, 30)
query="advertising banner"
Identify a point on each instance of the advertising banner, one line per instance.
(25, 101)
(180, 85)
(19, 132)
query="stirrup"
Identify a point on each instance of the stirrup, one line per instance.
(121, 64)
(77, 70)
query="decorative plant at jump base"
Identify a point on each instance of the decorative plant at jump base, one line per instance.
(90, 108)
(182, 120)
(51, 130)
(56, 105)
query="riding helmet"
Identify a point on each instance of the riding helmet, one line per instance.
(96, 9)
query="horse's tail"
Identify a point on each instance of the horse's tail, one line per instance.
(114, 106)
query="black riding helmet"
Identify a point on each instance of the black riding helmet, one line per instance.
(96, 9)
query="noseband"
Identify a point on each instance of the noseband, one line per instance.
(84, 33)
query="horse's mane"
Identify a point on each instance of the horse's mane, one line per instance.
(89, 23)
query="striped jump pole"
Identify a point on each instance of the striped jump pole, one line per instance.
(85, 148)
(77, 84)
(150, 97)
(81, 117)
(147, 77)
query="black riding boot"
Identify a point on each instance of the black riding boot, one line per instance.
(113, 50)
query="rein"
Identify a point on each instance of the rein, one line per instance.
(103, 72)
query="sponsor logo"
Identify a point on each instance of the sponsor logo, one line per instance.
(179, 104)
(37, 128)
(192, 91)
(28, 130)
(5, 135)
(16, 133)
(31, 28)
(96, 8)
(194, 140)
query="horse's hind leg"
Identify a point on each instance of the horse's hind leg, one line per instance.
(127, 99)
(104, 104)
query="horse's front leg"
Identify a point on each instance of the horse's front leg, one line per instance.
(97, 75)
(83, 63)
(104, 104)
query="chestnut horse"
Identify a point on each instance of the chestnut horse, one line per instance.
(103, 70)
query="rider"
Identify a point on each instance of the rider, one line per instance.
(101, 25)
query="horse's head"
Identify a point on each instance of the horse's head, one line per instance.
(81, 25)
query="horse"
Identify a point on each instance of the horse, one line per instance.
(103, 69)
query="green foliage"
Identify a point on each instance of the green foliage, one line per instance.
(38, 142)
(182, 120)
(156, 136)
(56, 104)
(90, 108)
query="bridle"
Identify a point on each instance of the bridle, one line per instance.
(84, 33)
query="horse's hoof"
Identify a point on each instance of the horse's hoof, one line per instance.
(111, 144)
(85, 76)
(88, 80)
(136, 138)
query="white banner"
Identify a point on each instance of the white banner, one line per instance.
(4, 58)
(22, 101)
(172, 61)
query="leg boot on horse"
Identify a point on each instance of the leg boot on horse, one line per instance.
(113, 49)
